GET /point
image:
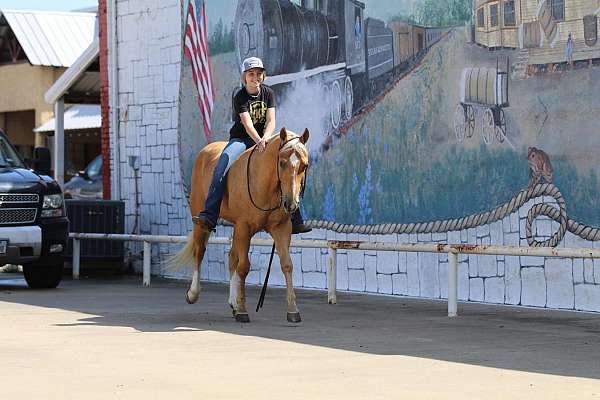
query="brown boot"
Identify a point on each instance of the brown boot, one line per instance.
(300, 228)
(202, 221)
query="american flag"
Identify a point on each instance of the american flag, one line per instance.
(196, 50)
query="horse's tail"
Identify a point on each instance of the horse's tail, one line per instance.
(193, 251)
(185, 256)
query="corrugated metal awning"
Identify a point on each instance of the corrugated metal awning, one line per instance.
(80, 83)
(51, 38)
(78, 116)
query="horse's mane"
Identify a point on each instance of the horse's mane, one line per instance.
(296, 144)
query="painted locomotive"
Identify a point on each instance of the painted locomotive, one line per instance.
(354, 57)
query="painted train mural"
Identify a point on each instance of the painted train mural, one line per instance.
(418, 120)
(353, 57)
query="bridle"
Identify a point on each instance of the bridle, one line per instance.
(302, 186)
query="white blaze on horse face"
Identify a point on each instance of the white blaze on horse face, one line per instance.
(294, 160)
(234, 285)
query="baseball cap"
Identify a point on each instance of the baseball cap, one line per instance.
(252, 62)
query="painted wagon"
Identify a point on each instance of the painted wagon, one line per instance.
(483, 92)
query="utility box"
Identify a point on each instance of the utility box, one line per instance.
(97, 216)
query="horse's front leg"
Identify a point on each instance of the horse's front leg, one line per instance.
(237, 282)
(282, 236)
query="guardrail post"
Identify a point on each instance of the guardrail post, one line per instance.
(452, 284)
(76, 257)
(332, 275)
(147, 255)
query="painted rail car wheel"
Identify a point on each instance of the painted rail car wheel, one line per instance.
(336, 104)
(488, 126)
(348, 98)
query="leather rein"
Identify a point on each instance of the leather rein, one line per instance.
(303, 185)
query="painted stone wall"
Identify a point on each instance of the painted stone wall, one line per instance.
(159, 124)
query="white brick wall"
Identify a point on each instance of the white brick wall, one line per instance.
(530, 281)
(149, 61)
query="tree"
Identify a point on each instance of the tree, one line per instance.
(221, 39)
(410, 18)
(443, 12)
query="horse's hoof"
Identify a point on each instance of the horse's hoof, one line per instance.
(294, 317)
(187, 298)
(242, 317)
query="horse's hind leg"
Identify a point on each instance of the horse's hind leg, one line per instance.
(282, 236)
(239, 266)
(201, 235)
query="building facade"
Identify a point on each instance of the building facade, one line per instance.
(35, 49)
(146, 169)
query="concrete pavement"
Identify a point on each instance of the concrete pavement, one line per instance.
(105, 338)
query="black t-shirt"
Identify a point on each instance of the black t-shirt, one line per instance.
(256, 106)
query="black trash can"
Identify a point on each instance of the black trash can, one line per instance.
(97, 216)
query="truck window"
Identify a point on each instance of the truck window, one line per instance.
(8, 156)
(94, 169)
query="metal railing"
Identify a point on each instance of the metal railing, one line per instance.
(453, 250)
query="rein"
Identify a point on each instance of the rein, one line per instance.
(263, 292)
(281, 146)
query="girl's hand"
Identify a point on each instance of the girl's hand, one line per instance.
(262, 145)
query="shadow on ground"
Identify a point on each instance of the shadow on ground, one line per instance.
(533, 340)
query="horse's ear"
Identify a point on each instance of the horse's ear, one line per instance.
(283, 134)
(305, 135)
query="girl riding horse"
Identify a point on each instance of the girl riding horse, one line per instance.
(254, 110)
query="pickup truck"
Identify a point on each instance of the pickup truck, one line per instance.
(33, 224)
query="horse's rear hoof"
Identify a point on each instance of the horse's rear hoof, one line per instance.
(187, 298)
(242, 317)
(294, 317)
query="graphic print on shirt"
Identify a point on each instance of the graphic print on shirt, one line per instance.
(258, 112)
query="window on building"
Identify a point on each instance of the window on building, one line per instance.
(494, 15)
(509, 13)
(480, 18)
(558, 9)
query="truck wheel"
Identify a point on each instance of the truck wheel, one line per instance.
(43, 276)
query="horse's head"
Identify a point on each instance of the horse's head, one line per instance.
(293, 162)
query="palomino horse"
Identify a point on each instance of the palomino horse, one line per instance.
(263, 189)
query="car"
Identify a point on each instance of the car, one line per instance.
(34, 227)
(87, 184)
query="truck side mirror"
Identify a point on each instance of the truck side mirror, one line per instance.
(41, 160)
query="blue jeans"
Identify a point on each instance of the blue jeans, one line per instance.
(230, 153)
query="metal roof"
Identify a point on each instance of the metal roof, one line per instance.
(51, 38)
(80, 83)
(78, 116)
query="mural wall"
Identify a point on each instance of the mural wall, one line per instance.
(427, 116)
(412, 123)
